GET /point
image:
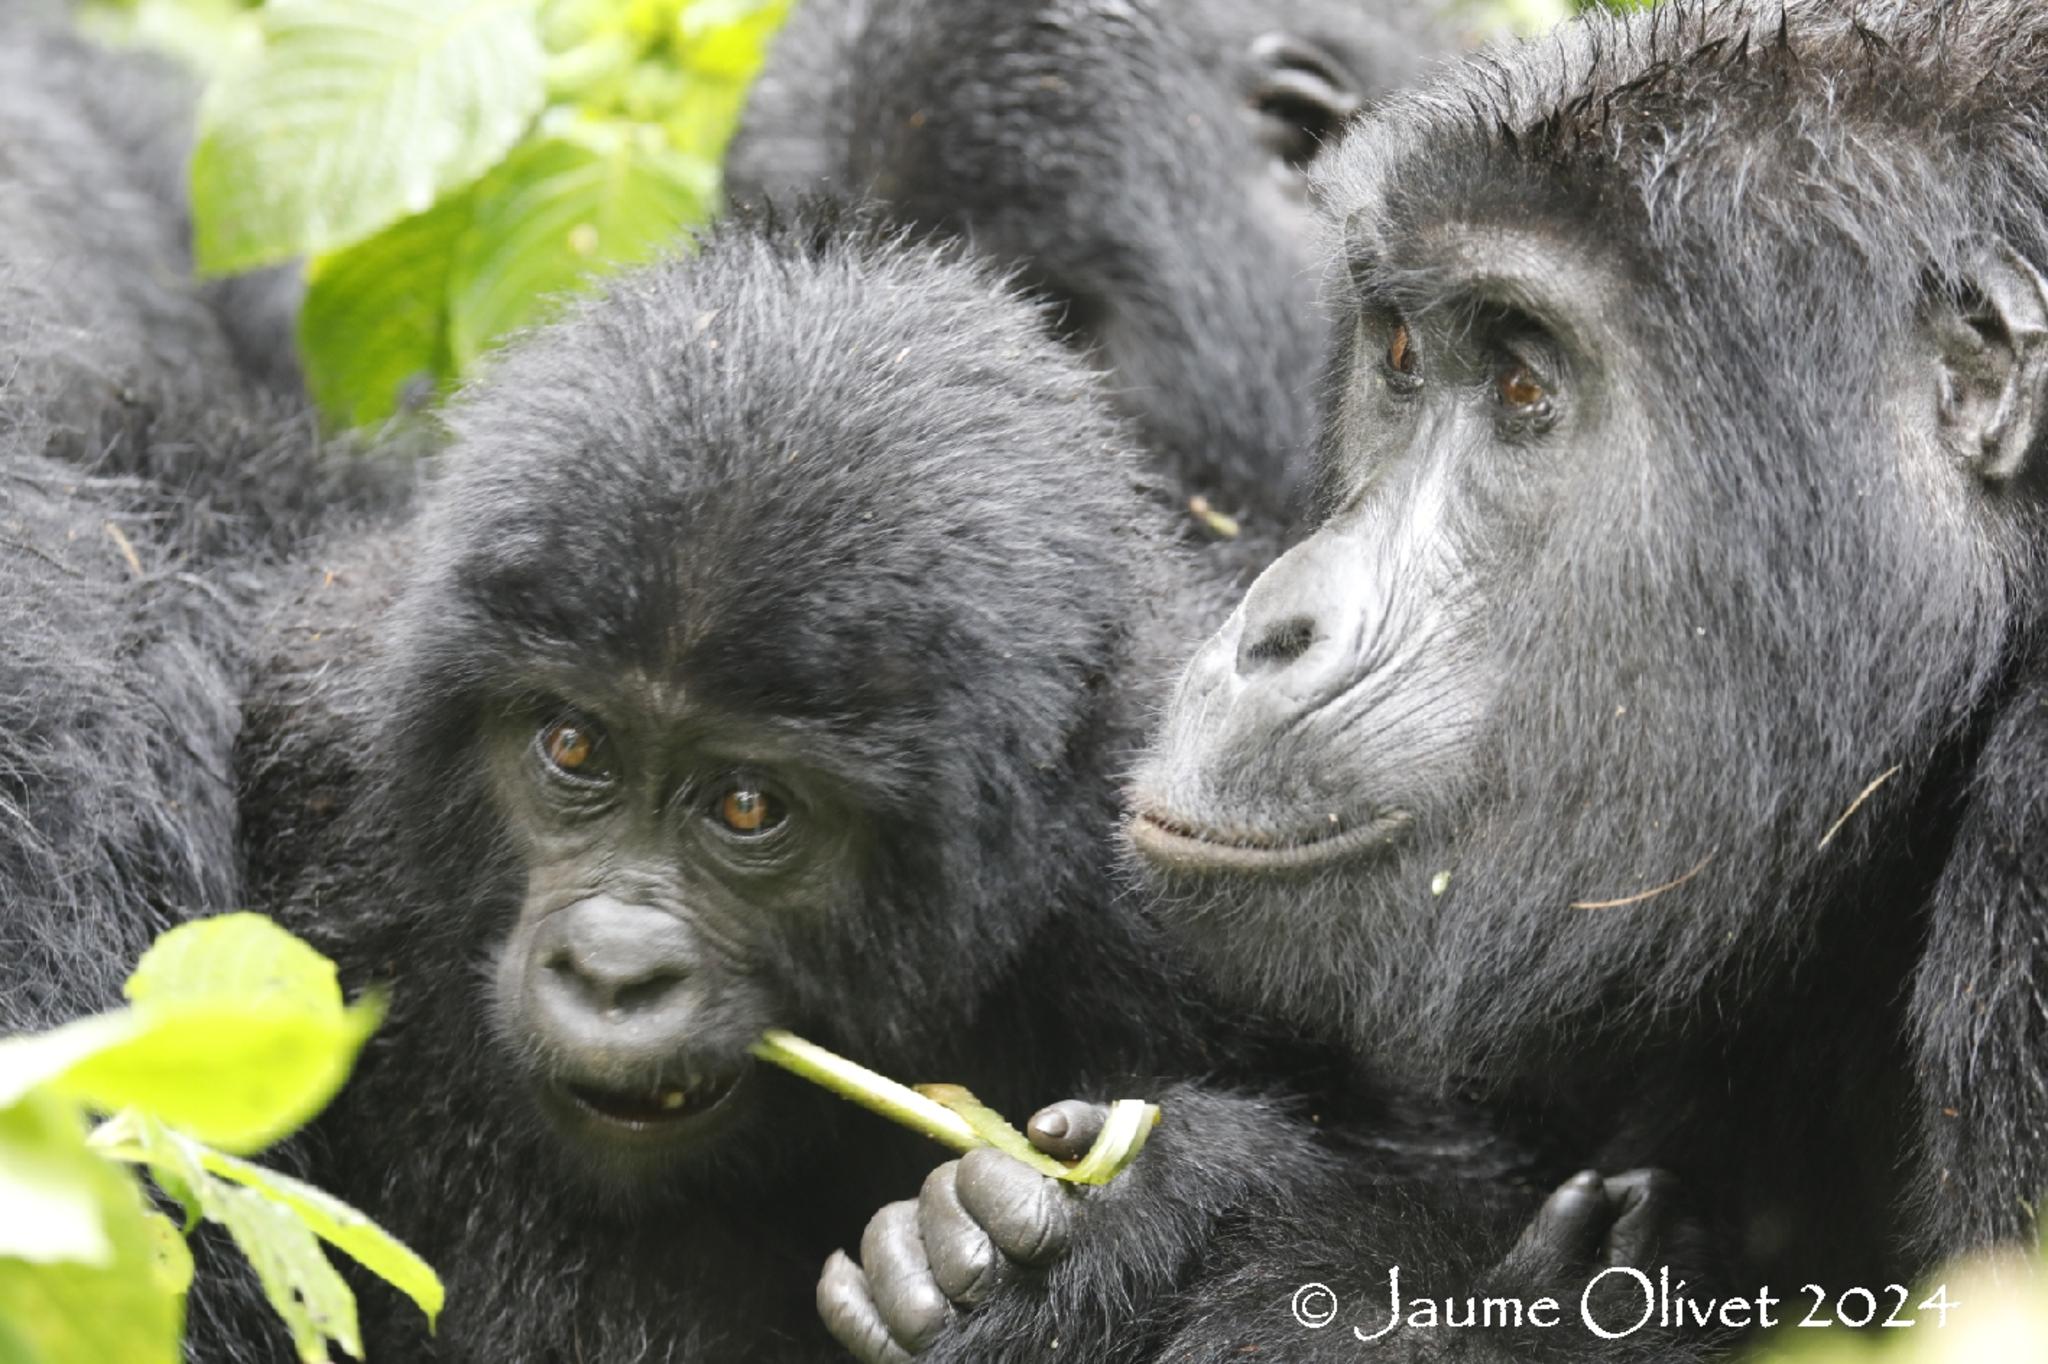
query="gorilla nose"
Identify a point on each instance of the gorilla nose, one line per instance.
(1297, 604)
(617, 962)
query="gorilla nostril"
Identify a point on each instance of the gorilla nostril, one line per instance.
(609, 991)
(603, 956)
(1279, 644)
(644, 994)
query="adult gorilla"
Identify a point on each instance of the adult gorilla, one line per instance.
(1142, 164)
(1652, 737)
(124, 363)
(143, 476)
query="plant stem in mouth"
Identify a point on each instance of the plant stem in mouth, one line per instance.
(872, 1091)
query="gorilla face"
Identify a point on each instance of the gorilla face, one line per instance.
(657, 832)
(1646, 547)
(748, 676)
(1340, 713)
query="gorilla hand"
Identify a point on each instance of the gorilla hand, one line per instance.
(979, 1221)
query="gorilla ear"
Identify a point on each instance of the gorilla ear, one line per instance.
(1990, 330)
(1302, 93)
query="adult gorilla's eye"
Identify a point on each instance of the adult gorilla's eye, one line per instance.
(1520, 391)
(747, 810)
(575, 747)
(1402, 368)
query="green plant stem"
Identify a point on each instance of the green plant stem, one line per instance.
(877, 1093)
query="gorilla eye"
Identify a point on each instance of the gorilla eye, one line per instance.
(574, 747)
(1520, 391)
(748, 811)
(1401, 358)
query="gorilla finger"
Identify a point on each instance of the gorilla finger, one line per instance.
(1067, 1129)
(1648, 1200)
(1570, 1225)
(900, 1279)
(965, 1263)
(849, 1313)
(1028, 1215)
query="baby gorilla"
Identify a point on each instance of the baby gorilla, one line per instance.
(766, 656)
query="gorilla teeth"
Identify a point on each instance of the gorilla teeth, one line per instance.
(665, 1105)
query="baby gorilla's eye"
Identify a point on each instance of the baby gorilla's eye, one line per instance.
(1520, 391)
(748, 811)
(574, 747)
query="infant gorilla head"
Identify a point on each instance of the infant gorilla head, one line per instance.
(753, 674)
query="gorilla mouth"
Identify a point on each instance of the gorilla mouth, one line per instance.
(650, 1112)
(1183, 845)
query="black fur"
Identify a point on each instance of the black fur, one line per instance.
(131, 368)
(819, 478)
(143, 475)
(1714, 687)
(117, 711)
(1141, 162)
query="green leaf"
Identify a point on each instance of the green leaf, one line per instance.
(374, 326)
(275, 1219)
(560, 210)
(240, 1077)
(299, 1283)
(209, 36)
(302, 1287)
(171, 1260)
(338, 1224)
(233, 958)
(50, 1187)
(727, 39)
(38, 1058)
(74, 1312)
(238, 1034)
(358, 114)
(720, 45)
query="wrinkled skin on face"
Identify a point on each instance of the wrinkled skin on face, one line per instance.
(1141, 165)
(1680, 547)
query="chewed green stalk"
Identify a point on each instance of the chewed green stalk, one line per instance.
(953, 1117)
(1124, 1134)
(993, 1128)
